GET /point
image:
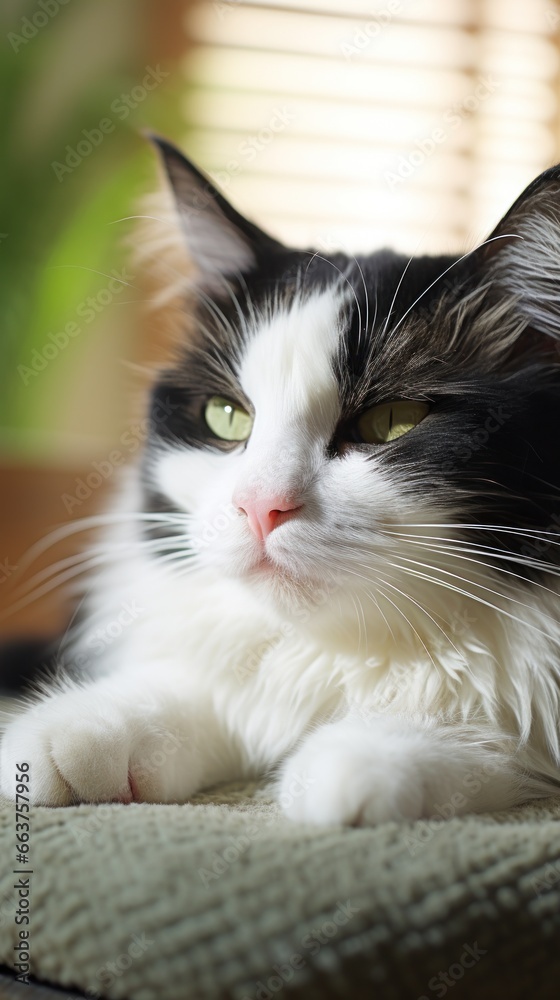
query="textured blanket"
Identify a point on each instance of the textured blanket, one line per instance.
(225, 898)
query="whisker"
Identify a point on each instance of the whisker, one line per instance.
(475, 597)
(359, 620)
(132, 218)
(48, 587)
(504, 236)
(342, 275)
(366, 299)
(489, 590)
(80, 267)
(420, 607)
(90, 523)
(459, 553)
(407, 620)
(373, 598)
(102, 553)
(503, 528)
(393, 300)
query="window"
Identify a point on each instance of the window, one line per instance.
(410, 123)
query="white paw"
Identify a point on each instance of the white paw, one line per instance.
(83, 746)
(346, 773)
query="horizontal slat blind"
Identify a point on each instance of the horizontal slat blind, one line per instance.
(411, 123)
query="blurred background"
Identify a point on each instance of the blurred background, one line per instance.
(410, 123)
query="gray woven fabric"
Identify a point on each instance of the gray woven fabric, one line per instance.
(204, 900)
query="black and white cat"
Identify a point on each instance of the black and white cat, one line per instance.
(339, 554)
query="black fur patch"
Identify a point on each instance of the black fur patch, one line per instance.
(445, 330)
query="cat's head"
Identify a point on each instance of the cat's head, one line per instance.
(380, 426)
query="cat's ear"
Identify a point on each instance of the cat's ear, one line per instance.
(222, 243)
(523, 254)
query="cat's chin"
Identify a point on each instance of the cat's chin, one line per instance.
(279, 582)
(267, 570)
(323, 607)
(285, 573)
(282, 579)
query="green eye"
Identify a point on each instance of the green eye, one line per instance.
(227, 420)
(389, 421)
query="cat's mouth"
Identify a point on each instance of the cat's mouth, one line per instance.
(268, 568)
(265, 566)
(277, 564)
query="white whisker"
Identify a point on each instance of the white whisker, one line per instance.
(489, 590)
(479, 600)
(91, 523)
(467, 554)
(504, 236)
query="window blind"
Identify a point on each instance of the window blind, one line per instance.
(409, 123)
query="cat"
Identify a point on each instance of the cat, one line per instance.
(335, 566)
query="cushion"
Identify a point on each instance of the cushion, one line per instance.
(224, 897)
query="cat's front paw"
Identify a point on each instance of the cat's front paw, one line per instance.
(82, 747)
(352, 775)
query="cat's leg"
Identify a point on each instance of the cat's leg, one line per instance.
(129, 736)
(389, 768)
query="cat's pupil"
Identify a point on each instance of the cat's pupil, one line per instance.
(388, 421)
(227, 420)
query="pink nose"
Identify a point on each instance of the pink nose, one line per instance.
(266, 513)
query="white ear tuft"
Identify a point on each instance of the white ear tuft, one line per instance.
(221, 242)
(525, 256)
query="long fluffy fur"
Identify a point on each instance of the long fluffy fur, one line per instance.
(399, 647)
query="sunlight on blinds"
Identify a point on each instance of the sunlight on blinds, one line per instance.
(410, 123)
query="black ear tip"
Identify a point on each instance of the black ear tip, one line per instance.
(174, 160)
(163, 145)
(149, 134)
